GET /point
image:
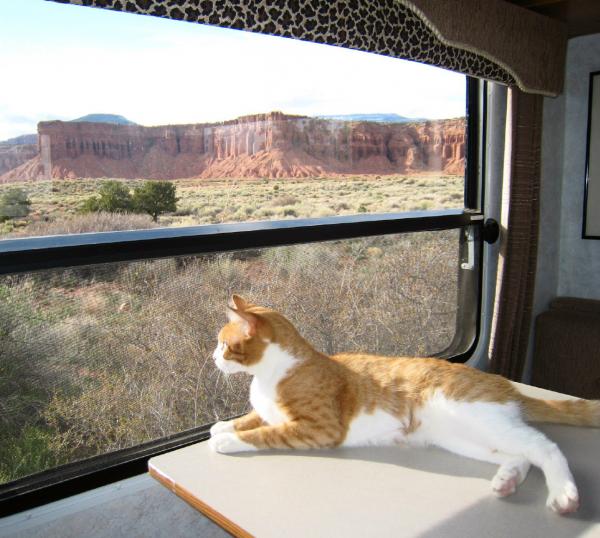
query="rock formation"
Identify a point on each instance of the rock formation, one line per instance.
(264, 145)
(12, 156)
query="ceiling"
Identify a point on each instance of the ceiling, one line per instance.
(581, 16)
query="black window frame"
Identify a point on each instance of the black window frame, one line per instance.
(41, 253)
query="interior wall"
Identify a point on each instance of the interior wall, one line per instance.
(579, 259)
(567, 264)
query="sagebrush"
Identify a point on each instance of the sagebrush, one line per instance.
(100, 358)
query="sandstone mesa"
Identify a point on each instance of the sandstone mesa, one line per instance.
(272, 145)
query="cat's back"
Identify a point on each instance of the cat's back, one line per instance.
(380, 365)
(425, 375)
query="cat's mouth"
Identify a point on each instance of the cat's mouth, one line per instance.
(226, 366)
(229, 367)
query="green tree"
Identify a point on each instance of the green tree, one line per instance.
(113, 196)
(14, 203)
(155, 198)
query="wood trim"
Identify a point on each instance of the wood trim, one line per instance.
(196, 503)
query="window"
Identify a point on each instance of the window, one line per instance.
(335, 132)
(344, 193)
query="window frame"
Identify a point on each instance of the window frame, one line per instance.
(64, 251)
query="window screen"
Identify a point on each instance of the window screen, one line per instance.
(104, 357)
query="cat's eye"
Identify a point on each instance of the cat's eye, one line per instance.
(234, 349)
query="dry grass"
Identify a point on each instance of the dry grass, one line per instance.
(85, 223)
(211, 201)
(100, 358)
(217, 201)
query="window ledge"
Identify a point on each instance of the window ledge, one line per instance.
(387, 491)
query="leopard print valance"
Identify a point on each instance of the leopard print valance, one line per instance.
(382, 26)
(390, 27)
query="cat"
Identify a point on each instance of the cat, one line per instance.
(302, 398)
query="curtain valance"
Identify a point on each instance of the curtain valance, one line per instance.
(489, 39)
(528, 46)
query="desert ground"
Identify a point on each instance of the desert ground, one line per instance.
(100, 358)
(209, 201)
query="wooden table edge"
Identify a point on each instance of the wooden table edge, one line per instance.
(202, 507)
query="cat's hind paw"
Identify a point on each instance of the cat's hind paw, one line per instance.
(225, 443)
(225, 426)
(564, 500)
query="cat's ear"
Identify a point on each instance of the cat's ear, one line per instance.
(238, 303)
(249, 321)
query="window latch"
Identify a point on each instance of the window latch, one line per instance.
(469, 264)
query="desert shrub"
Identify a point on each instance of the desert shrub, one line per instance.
(155, 198)
(151, 197)
(14, 203)
(7, 227)
(26, 452)
(101, 221)
(113, 197)
(39, 351)
(110, 361)
(266, 213)
(183, 212)
(423, 205)
(285, 199)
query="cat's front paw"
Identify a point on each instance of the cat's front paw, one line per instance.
(564, 500)
(509, 476)
(223, 426)
(226, 443)
(505, 483)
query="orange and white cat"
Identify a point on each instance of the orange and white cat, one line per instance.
(305, 399)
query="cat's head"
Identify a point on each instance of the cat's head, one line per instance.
(244, 339)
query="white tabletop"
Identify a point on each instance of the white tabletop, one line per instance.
(387, 491)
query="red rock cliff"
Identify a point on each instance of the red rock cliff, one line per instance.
(263, 145)
(12, 156)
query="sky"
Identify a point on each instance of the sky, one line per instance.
(64, 61)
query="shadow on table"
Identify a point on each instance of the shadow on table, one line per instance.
(521, 514)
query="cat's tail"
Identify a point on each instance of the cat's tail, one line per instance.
(573, 412)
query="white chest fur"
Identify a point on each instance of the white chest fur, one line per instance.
(263, 400)
(274, 366)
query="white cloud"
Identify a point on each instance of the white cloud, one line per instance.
(184, 73)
